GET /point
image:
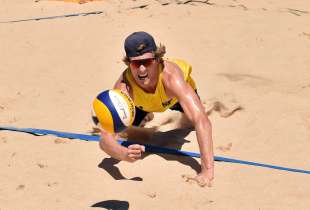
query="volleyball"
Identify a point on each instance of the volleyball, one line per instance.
(113, 110)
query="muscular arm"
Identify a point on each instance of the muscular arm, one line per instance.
(108, 142)
(176, 86)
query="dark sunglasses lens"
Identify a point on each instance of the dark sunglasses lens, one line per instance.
(148, 62)
(135, 63)
(145, 62)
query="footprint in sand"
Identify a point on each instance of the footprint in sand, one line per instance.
(224, 104)
(52, 184)
(242, 6)
(74, 1)
(40, 165)
(297, 12)
(20, 187)
(194, 179)
(225, 148)
(251, 79)
(3, 140)
(164, 2)
(61, 141)
(151, 194)
(306, 34)
(190, 2)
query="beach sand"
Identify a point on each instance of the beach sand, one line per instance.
(252, 54)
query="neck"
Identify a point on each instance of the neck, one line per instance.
(150, 88)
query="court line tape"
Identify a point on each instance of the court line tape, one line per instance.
(148, 148)
(54, 17)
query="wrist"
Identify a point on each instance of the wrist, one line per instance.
(208, 172)
(207, 161)
(210, 166)
(207, 166)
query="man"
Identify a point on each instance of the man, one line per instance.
(155, 85)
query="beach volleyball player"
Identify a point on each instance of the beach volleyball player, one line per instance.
(156, 84)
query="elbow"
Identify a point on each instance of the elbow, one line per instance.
(208, 122)
(112, 151)
(203, 121)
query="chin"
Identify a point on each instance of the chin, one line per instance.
(147, 81)
(143, 82)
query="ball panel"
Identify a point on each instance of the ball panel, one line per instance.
(114, 110)
(106, 99)
(103, 115)
(130, 106)
(121, 106)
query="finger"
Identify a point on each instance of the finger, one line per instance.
(188, 178)
(134, 151)
(142, 148)
(136, 147)
(202, 182)
(135, 156)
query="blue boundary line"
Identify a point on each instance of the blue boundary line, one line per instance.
(148, 148)
(54, 17)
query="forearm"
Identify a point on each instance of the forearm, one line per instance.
(204, 137)
(108, 144)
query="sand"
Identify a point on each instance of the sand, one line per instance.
(253, 54)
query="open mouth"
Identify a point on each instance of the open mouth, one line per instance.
(142, 77)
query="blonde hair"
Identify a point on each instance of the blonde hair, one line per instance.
(159, 54)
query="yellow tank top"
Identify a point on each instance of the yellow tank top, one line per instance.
(158, 101)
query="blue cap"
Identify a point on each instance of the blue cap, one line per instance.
(138, 43)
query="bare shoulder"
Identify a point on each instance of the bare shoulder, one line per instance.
(171, 71)
(173, 79)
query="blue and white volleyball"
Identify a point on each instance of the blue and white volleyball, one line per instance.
(113, 110)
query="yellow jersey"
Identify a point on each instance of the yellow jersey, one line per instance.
(157, 101)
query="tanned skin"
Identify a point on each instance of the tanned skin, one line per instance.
(146, 77)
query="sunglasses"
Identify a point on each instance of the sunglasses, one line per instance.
(144, 62)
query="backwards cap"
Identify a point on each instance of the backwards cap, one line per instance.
(138, 43)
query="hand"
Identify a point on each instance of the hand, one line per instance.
(202, 179)
(134, 152)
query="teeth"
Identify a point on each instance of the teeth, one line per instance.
(142, 76)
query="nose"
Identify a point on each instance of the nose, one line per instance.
(142, 68)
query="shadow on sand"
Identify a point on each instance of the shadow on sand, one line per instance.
(112, 205)
(170, 139)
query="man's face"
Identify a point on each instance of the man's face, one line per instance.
(144, 70)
